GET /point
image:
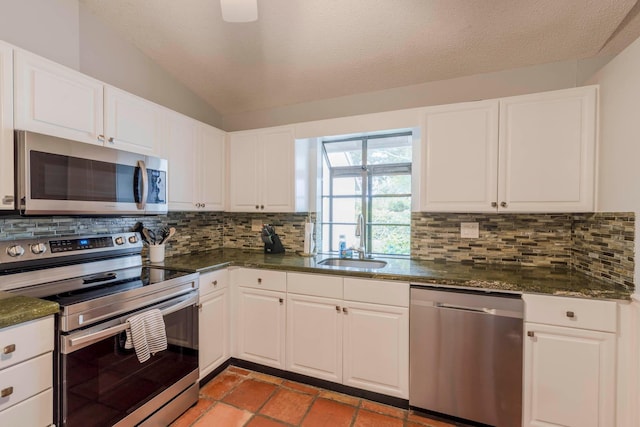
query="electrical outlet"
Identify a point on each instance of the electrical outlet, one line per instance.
(469, 230)
(256, 225)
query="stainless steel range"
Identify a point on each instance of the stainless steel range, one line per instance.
(99, 282)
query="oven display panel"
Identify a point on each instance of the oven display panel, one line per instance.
(80, 244)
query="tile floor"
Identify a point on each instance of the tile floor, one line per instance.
(238, 397)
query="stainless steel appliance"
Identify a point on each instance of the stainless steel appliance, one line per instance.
(466, 355)
(99, 281)
(59, 176)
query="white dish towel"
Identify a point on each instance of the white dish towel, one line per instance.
(146, 334)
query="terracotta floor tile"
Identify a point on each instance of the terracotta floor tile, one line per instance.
(349, 400)
(301, 387)
(260, 421)
(250, 394)
(220, 385)
(424, 420)
(224, 416)
(193, 413)
(383, 409)
(288, 406)
(268, 378)
(372, 419)
(238, 371)
(325, 412)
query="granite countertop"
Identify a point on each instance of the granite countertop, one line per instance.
(16, 309)
(562, 282)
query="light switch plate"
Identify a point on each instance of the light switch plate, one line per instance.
(256, 225)
(469, 230)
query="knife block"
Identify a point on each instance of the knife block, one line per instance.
(275, 247)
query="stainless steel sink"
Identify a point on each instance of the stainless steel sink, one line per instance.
(353, 263)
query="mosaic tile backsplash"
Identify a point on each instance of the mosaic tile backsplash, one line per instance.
(598, 244)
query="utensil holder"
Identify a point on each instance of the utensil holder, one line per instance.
(156, 253)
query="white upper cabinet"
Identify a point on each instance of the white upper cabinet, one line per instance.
(56, 100)
(196, 164)
(530, 153)
(268, 170)
(460, 158)
(131, 123)
(6, 128)
(547, 151)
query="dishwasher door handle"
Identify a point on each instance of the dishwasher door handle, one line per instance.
(465, 308)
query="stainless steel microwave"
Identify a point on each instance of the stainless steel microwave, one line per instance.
(56, 176)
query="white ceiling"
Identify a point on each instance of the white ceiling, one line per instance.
(307, 50)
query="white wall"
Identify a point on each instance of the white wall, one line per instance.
(66, 32)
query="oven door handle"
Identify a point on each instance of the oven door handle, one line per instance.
(83, 340)
(145, 184)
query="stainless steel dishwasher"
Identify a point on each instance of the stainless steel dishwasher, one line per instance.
(466, 354)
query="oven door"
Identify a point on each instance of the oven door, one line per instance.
(59, 176)
(100, 383)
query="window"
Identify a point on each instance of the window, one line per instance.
(368, 175)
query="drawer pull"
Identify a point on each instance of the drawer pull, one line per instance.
(214, 283)
(344, 310)
(9, 349)
(571, 314)
(259, 280)
(338, 308)
(531, 334)
(281, 301)
(6, 392)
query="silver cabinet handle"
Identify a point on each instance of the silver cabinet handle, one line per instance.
(571, 314)
(503, 204)
(6, 392)
(494, 204)
(7, 200)
(9, 349)
(112, 140)
(101, 138)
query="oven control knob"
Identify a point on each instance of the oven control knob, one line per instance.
(15, 250)
(133, 239)
(119, 240)
(38, 248)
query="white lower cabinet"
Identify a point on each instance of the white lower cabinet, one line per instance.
(259, 330)
(363, 343)
(569, 371)
(213, 325)
(26, 374)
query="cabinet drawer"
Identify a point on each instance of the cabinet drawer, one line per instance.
(377, 291)
(26, 379)
(36, 411)
(213, 281)
(571, 312)
(260, 279)
(26, 340)
(315, 284)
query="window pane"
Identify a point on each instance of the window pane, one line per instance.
(395, 149)
(345, 153)
(346, 209)
(391, 210)
(348, 231)
(391, 184)
(326, 178)
(325, 210)
(347, 186)
(388, 239)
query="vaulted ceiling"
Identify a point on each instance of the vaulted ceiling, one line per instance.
(306, 50)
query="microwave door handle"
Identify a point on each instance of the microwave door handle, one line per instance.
(145, 184)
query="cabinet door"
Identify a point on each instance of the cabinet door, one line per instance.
(211, 168)
(131, 123)
(459, 158)
(180, 146)
(6, 128)
(213, 331)
(314, 337)
(261, 327)
(569, 377)
(376, 348)
(279, 170)
(56, 100)
(547, 151)
(244, 173)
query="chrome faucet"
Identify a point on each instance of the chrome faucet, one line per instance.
(360, 230)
